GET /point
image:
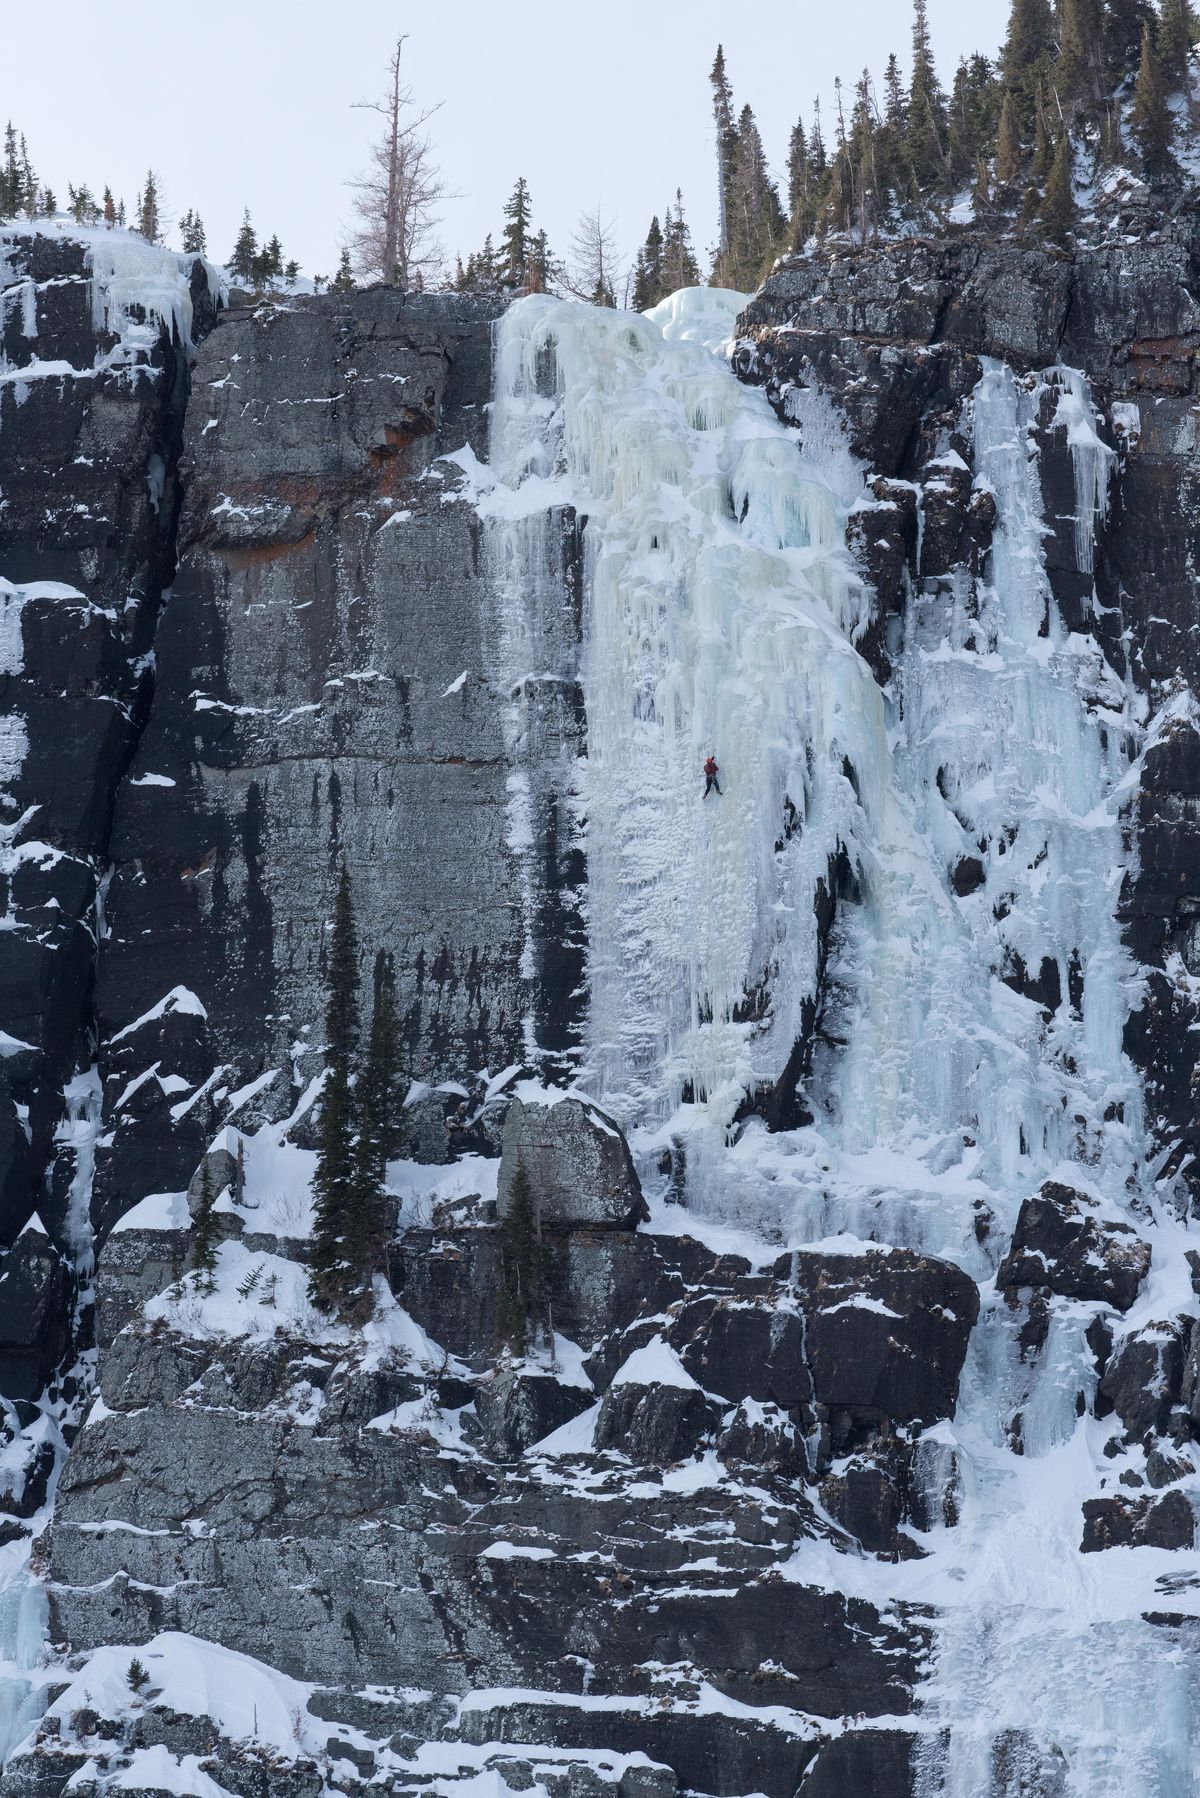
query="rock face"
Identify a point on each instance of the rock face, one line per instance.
(91, 419)
(682, 1534)
(328, 689)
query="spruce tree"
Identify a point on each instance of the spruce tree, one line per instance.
(518, 233)
(241, 262)
(680, 267)
(522, 1299)
(925, 137)
(110, 208)
(191, 228)
(343, 281)
(204, 1234)
(1078, 73)
(726, 140)
(1028, 56)
(11, 190)
(149, 222)
(799, 206)
(1124, 23)
(895, 100)
(755, 223)
(333, 1279)
(1009, 155)
(1152, 126)
(1177, 32)
(649, 284)
(1058, 205)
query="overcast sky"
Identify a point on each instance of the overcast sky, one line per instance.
(250, 102)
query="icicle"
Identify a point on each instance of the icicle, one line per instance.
(1092, 460)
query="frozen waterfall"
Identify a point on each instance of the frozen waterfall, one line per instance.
(721, 614)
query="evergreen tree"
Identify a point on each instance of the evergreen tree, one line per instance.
(1177, 32)
(1028, 56)
(522, 1302)
(333, 1279)
(32, 198)
(1079, 72)
(1124, 23)
(149, 222)
(799, 188)
(649, 284)
(49, 205)
(274, 258)
(191, 229)
(1043, 144)
(925, 138)
(680, 267)
(379, 1090)
(343, 281)
(82, 205)
(755, 220)
(1058, 205)
(110, 208)
(1152, 128)
(11, 189)
(517, 234)
(895, 102)
(1009, 155)
(241, 262)
(726, 137)
(204, 1234)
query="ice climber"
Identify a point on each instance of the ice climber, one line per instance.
(710, 777)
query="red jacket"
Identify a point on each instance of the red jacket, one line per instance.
(710, 767)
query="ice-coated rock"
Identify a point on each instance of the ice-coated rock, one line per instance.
(1060, 1243)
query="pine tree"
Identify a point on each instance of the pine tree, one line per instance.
(273, 258)
(1009, 155)
(925, 138)
(149, 222)
(1152, 128)
(204, 1234)
(110, 208)
(517, 234)
(241, 262)
(343, 281)
(136, 1675)
(191, 228)
(32, 198)
(1177, 32)
(1027, 58)
(1058, 205)
(82, 205)
(333, 1279)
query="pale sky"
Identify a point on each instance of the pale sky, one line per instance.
(250, 102)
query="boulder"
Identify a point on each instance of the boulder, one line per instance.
(654, 1411)
(1143, 1381)
(520, 1405)
(577, 1163)
(36, 1288)
(762, 1436)
(1061, 1243)
(1167, 1522)
(885, 1336)
(746, 1349)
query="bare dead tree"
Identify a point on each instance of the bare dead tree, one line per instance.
(396, 198)
(593, 271)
